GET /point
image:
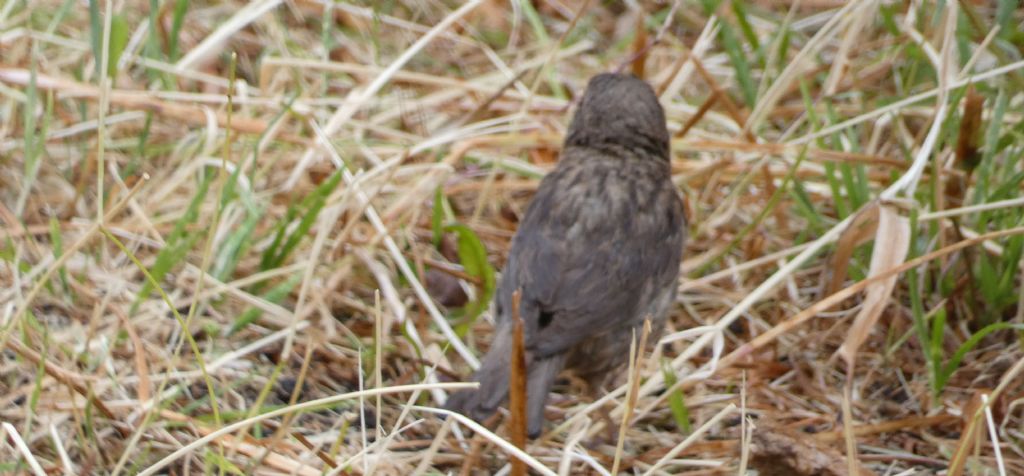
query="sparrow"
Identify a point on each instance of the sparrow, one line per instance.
(595, 255)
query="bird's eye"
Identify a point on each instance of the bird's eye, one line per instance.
(545, 318)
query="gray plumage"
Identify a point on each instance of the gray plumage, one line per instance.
(596, 253)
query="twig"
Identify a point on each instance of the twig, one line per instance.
(517, 387)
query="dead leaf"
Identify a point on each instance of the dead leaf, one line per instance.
(860, 230)
(970, 433)
(967, 143)
(779, 451)
(970, 131)
(892, 241)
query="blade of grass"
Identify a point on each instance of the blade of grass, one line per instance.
(473, 257)
(178, 243)
(308, 210)
(676, 401)
(177, 21)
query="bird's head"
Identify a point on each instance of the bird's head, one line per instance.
(621, 110)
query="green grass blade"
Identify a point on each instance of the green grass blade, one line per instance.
(738, 58)
(676, 403)
(275, 295)
(118, 41)
(179, 242)
(285, 243)
(954, 362)
(437, 217)
(178, 19)
(473, 257)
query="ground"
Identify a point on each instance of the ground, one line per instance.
(262, 238)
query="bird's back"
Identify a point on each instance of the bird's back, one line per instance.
(597, 252)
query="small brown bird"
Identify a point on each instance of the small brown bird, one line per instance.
(596, 253)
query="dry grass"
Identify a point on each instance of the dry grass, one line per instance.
(282, 276)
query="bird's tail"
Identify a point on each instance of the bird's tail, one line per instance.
(493, 376)
(542, 375)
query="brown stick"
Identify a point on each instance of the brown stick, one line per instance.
(517, 388)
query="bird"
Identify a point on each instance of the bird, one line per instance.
(596, 253)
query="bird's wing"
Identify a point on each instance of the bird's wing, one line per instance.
(595, 242)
